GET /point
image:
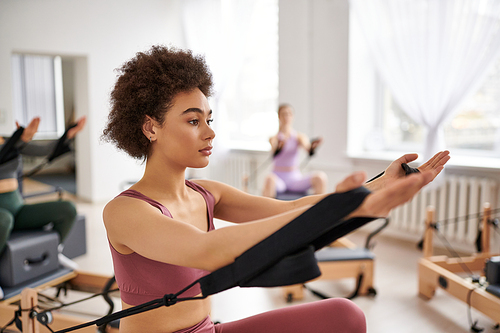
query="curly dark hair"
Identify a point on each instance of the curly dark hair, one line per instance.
(146, 86)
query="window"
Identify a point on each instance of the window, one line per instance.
(239, 40)
(252, 100)
(473, 129)
(37, 90)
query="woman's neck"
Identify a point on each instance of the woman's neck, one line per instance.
(160, 180)
(286, 130)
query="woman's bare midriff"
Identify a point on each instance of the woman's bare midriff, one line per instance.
(8, 185)
(284, 169)
(166, 319)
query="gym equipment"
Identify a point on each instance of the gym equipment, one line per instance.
(442, 271)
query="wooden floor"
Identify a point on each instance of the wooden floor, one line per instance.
(396, 307)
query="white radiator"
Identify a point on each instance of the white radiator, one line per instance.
(458, 202)
(458, 199)
(235, 167)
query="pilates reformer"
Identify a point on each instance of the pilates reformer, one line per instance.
(25, 313)
(442, 271)
(39, 271)
(340, 260)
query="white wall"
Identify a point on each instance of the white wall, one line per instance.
(314, 67)
(98, 35)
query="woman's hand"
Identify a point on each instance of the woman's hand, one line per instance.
(434, 165)
(80, 124)
(398, 192)
(30, 130)
(316, 142)
(351, 182)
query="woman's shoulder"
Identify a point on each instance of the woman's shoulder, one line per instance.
(211, 186)
(216, 188)
(122, 206)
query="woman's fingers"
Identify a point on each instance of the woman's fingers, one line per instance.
(351, 182)
(395, 170)
(380, 203)
(30, 130)
(436, 163)
(79, 126)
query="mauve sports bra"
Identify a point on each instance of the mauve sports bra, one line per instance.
(141, 279)
(289, 154)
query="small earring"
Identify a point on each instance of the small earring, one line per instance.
(150, 139)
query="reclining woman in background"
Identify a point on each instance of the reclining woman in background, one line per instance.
(161, 231)
(14, 213)
(285, 146)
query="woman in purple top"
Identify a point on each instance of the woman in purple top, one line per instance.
(286, 146)
(160, 113)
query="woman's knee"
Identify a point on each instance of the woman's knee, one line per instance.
(319, 181)
(6, 226)
(67, 208)
(6, 221)
(269, 186)
(270, 181)
(354, 320)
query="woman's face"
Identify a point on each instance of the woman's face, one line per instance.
(185, 139)
(285, 116)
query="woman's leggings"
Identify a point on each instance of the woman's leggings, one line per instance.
(16, 215)
(335, 315)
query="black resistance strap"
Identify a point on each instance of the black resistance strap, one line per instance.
(264, 264)
(408, 170)
(62, 147)
(9, 150)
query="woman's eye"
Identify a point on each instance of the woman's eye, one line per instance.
(194, 122)
(210, 121)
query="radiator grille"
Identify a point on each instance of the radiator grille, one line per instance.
(458, 202)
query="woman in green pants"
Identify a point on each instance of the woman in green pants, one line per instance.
(14, 213)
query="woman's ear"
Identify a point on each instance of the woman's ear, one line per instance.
(148, 129)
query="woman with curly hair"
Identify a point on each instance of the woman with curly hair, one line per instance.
(161, 231)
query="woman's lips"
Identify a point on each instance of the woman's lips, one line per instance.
(206, 151)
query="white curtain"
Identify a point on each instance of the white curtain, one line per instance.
(432, 54)
(218, 29)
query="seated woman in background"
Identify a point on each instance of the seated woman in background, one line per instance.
(14, 213)
(161, 231)
(285, 146)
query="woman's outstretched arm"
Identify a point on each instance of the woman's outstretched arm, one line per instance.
(135, 226)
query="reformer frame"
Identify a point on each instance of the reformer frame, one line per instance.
(360, 266)
(441, 271)
(28, 299)
(341, 269)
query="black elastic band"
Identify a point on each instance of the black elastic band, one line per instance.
(62, 147)
(408, 170)
(9, 150)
